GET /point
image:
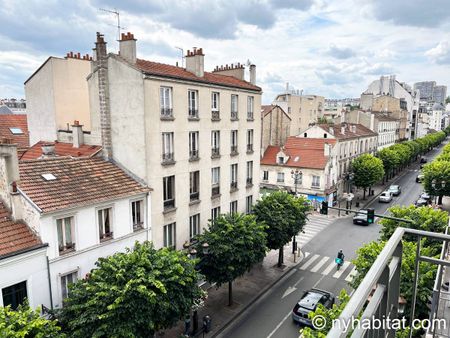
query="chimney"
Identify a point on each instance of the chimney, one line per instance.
(127, 47)
(9, 173)
(195, 62)
(77, 134)
(253, 74)
(235, 70)
(48, 150)
(101, 66)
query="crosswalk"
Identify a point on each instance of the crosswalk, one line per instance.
(326, 266)
(315, 224)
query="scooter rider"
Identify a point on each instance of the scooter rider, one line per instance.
(341, 256)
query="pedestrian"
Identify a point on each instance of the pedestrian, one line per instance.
(187, 325)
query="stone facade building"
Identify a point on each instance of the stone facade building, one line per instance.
(275, 126)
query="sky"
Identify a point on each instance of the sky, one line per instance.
(329, 48)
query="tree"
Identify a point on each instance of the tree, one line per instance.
(132, 294)
(236, 242)
(391, 161)
(284, 215)
(368, 253)
(436, 180)
(447, 99)
(368, 170)
(27, 323)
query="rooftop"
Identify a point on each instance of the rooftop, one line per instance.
(79, 182)
(15, 127)
(61, 149)
(360, 130)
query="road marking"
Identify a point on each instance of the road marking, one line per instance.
(297, 282)
(329, 268)
(279, 324)
(351, 275)
(309, 262)
(306, 254)
(341, 270)
(319, 265)
(317, 283)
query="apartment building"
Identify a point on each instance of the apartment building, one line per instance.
(397, 109)
(190, 134)
(275, 126)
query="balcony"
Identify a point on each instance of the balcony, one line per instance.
(215, 191)
(233, 186)
(234, 151)
(68, 247)
(193, 115)
(169, 204)
(167, 114)
(138, 226)
(378, 294)
(215, 153)
(250, 116)
(215, 115)
(249, 181)
(193, 156)
(315, 186)
(194, 196)
(249, 148)
(234, 116)
(106, 236)
(168, 159)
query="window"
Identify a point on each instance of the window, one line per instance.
(234, 107)
(193, 103)
(250, 141)
(249, 204)
(15, 295)
(305, 134)
(169, 192)
(66, 280)
(166, 101)
(280, 177)
(325, 135)
(194, 185)
(234, 173)
(167, 148)
(215, 181)
(250, 104)
(315, 181)
(215, 143)
(169, 235)
(137, 214)
(193, 145)
(234, 142)
(215, 213)
(265, 175)
(65, 231)
(249, 172)
(215, 114)
(280, 160)
(233, 207)
(194, 225)
(105, 223)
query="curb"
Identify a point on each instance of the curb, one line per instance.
(258, 296)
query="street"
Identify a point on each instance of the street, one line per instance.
(270, 316)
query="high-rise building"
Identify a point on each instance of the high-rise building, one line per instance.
(426, 89)
(439, 94)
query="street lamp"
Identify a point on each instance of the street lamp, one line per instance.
(437, 186)
(296, 175)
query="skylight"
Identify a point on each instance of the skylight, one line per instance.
(296, 159)
(48, 177)
(16, 131)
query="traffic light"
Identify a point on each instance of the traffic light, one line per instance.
(370, 216)
(324, 208)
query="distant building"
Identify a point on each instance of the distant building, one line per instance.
(440, 94)
(397, 109)
(425, 89)
(14, 106)
(275, 126)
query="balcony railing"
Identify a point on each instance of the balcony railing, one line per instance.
(234, 150)
(138, 226)
(167, 113)
(215, 152)
(379, 291)
(249, 181)
(194, 196)
(215, 191)
(106, 236)
(233, 185)
(249, 148)
(68, 247)
(315, 186)
(193, 155)
(168, 158)
(215, 115)
(234, 115)
(169, 204)
(193, 113)
(250, 116)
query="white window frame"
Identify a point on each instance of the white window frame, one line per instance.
(215, 213)
(105, 235)
(234, 174)
(265, 175)
(191, 185)
(193, 103)
(170, 235)
(249, 204)
(215, 101)
(250, 107)
(166, 100)
(234, 140)
(66, 244)
(141, 224)
(233, 207)
(250, 140)
(167, 191)
(168, 153)
(234, 106)
(280, 177)
(315, 181)
(64, 290)
(193, 144)
(215, 140)
(249, 172)
(194, 225)
(215, 178)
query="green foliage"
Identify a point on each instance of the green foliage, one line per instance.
(447, 99)
(132, 294)
(236, 242)
(437, 171)
(368, 170)
(27, 323)
(403, 151)
(366, 256)
(390, 158)
(284, 215)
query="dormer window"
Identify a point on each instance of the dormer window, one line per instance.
(324, 135)
(280, 160)
(305, 135)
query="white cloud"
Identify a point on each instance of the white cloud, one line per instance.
(441, 53)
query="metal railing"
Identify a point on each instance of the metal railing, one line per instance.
(379, 291)
(215, 115)
(166, 112)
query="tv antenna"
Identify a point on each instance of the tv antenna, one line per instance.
(182, 56)
(117, 14)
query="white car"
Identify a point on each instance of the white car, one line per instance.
(385, 196)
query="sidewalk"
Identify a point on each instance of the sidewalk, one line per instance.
(246, 290)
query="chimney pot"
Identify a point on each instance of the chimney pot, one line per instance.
(127, 46)
(78, 55)
(195, 62)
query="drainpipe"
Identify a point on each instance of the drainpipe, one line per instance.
(49, 283)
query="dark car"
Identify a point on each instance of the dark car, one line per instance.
(421, 202)
(308, 303)
(423, 160)
(395, 190)
(361, 217)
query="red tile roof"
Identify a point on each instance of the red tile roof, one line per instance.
(15, 236)
(161, 69)
(302, 152)
(360, 130)
(79, 182)
(8, 121)
(61, 149)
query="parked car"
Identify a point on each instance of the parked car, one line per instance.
(423, 160)
(395, 190)
(361, 217)
(421, 202)
(385, 197)
(308, 303)
(419, 178)
(425, 196)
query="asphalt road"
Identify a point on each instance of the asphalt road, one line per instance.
(270, 316)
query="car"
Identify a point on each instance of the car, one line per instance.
(425, 196)
(361, 217)
(419, 178)
(421, 202)
(423, 160)
(308, 303)
(395, 190)
(385, 197)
